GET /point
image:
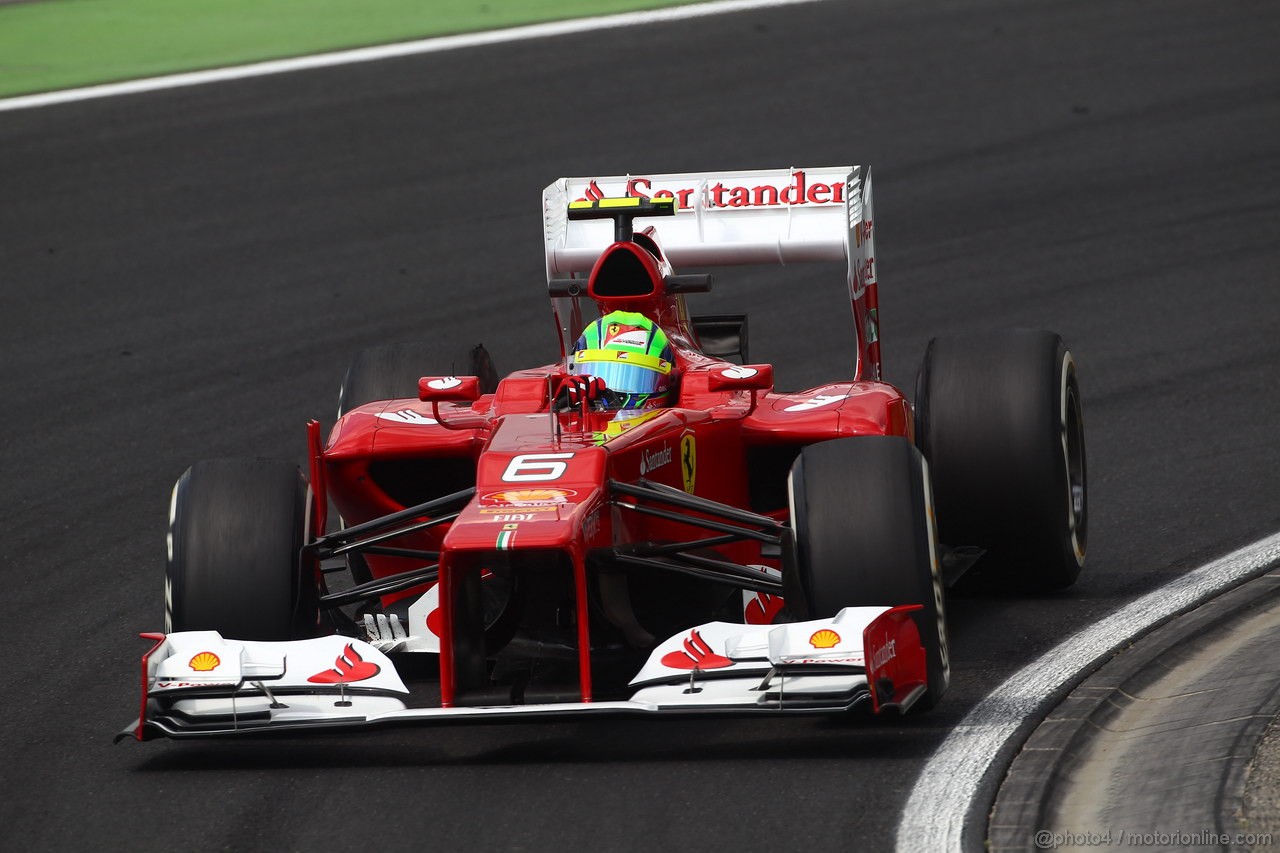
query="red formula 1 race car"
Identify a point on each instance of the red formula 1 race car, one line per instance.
(644, 526)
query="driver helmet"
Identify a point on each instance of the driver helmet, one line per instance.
(632, 356)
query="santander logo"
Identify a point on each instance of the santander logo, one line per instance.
(884, 654)
(347, 669)
(762, 608)
(653, 459)
(799, 191)
(696, 654)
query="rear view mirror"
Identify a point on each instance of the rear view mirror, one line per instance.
(745, 377)
(449, 389)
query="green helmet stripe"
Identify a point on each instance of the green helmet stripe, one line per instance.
(592, 335)
(657, 340)
(655, 344)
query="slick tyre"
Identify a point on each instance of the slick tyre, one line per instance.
(236, 529)
(392, 371)
(999, 418)
(860, 509)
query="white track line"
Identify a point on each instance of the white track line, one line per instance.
(391, 51)
(934, 815)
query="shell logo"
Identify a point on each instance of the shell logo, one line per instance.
(204, 662)
(531, 496)
(824, 639)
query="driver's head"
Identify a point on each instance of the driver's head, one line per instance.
(632, 355)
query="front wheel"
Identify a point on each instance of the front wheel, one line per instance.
(236, 529)
(999, 417)
(862, 514)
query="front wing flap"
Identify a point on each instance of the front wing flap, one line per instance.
(200, 684)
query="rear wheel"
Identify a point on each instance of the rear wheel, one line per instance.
(999, 418)
(236, 529)
(860, 508)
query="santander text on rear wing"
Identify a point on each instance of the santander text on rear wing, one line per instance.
(755, 217)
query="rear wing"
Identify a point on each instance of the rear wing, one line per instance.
(767, 216)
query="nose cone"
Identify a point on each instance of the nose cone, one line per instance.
(530, 492)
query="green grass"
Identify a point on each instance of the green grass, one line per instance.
(60, 44)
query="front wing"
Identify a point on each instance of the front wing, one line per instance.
(198, 684)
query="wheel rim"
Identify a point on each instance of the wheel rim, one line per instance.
(1073, 447)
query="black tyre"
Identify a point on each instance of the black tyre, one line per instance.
(236, 529)
(860, 509)
(999, 418)
(392, 371)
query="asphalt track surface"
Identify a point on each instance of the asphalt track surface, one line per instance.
(187, 274)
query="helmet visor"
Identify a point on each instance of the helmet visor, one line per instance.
(625, 372)
(613, 401)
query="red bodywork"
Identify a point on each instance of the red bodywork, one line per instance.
(541, 479)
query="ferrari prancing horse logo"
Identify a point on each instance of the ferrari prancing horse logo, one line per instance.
(688, 461)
